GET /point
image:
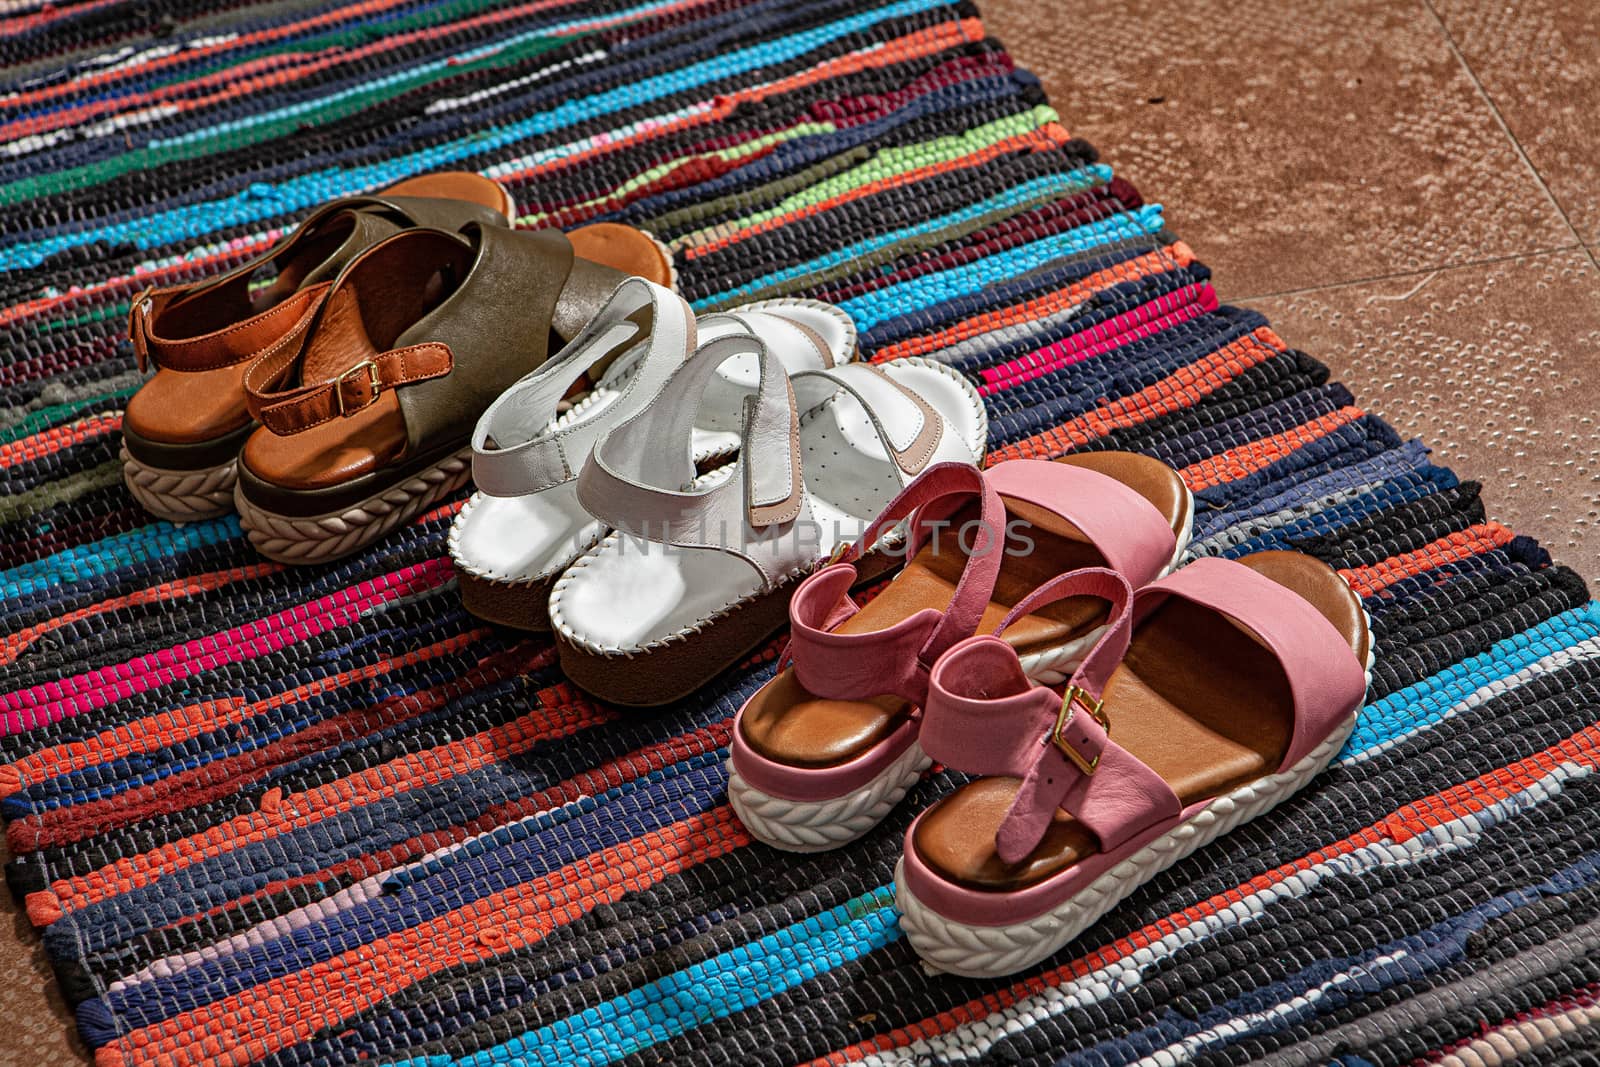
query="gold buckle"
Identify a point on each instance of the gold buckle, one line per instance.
(137, 312)
(840, 551)
(138, 305)
(372, 379)
(1071, 701)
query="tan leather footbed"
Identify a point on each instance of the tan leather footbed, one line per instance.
(1198, 699)
(611, 244)
(187, 407)
(175, 407)
(375, 437)
(789, 725)
(457, 185)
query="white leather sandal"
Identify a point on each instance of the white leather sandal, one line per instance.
(699, 568)
(516, 535)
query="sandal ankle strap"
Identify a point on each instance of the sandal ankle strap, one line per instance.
(984, 716)
(291, 411)
(367, 220)
(1112, 645)
(854, 666)
(227, 347)
(639, 477)
(494, 320)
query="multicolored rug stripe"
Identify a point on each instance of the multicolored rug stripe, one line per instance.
(301, 817)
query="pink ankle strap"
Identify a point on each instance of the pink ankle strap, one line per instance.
(1093, 673)
(838, 666)
(984, 716)
(897, 659)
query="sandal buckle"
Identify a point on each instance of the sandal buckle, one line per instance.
(1073, 699)
(138, 325)
(372, 380)
(140, 306)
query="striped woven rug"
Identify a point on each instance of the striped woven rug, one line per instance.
(297, 817)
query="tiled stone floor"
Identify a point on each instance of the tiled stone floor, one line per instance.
(1409, 189)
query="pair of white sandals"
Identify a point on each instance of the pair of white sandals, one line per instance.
(658, 524)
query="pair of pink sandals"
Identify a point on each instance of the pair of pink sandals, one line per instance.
(1194, 699)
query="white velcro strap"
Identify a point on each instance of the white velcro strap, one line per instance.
(796, 346)
(640, 476)
(770, 449)
(909, 427)
(516, 447)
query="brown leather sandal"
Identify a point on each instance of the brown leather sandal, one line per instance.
(183, 429)
(367, 418)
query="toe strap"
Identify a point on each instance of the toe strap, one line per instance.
(1325, 678)
(1123, 526)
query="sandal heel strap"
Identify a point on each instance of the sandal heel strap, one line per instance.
(983, 713)
(934, 496)
(296, 410)
(843, 666)
(1066, 757)
(238, 343)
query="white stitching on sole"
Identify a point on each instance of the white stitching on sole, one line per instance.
(562, 626)
(666, 254)
(816, 826)
(180, 496)
(317, 539)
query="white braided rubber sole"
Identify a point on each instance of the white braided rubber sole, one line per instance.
(994, 951)
(180, 496)
(320, 538)
(816, 826)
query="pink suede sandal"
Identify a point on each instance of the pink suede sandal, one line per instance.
(1227, 686)
(824, 750)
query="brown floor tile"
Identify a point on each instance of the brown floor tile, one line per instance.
(1539, 61)
(1495, 366)
(36, 1027)
(1295, 143)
